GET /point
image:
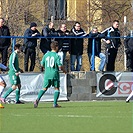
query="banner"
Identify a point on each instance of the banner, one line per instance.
(32, 83)
(117, 84)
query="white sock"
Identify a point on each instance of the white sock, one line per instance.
(1, 90)
(131, 94)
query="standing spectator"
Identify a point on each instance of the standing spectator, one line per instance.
(51, 63)
(112, 44)
(76, 50)
(97, 48)
(128, 42)
(14, 72)
(30, 44)
(4, 42)
(64, 43)
(48, 31)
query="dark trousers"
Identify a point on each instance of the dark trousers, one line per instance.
(112, 53)
(4, 54)
(29, 54)
(129, 63)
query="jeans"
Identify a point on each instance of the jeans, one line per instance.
(102, 62)
(62, 56)
(73, 59)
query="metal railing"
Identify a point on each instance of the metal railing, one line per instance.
(14, 38)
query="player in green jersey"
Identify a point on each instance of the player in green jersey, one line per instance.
(13, 73)
(51, 64)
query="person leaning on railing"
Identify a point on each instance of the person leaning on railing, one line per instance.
(76, 48)
(64, 43)
(112, 44)
(47, 31)
(94, 34)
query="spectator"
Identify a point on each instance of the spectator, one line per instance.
(112, 44)
(128, 42)
(30, 44)
(48, 31)
(97, 48)
(76, 50)
(4, 42)
(64, 43)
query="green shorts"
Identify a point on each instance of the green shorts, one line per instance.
(51, 82)
(14, 80)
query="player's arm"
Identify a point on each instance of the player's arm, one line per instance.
(43, 64)
(4, 67)
(42, 68)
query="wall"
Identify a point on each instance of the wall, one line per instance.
(81, 86)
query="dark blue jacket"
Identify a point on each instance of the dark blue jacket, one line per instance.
(31, 42)
(98, 36)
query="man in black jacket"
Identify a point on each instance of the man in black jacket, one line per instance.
(47, 31)
(128, 43)
(97, 49)
(112, 44)
(30, 44)
(76, 49)
(64, 43)
(4, 42)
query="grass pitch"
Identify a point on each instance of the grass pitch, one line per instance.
(72, 117)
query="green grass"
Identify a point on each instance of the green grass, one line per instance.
(73, 117)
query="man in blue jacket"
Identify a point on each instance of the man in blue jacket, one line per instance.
(30, 45)
(97, 48)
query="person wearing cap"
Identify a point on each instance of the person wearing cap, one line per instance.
(30, 43)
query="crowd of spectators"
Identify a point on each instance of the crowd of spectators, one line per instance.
(72, 46)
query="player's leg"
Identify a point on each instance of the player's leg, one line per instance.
(40, 94)
(129, 97)
(18, 94)
(13, 81)
(56, 84)
(47, 84)
(2, 86)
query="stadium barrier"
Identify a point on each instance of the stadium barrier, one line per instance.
(13, 38)
(32, 83)
(80, 85)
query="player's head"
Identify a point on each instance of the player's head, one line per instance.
(17, 47)
(54, 45)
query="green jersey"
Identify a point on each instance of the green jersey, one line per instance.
(51, 63)
(13, 63)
